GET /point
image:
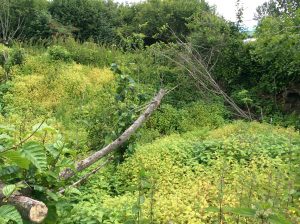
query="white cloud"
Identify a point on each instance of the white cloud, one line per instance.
(227, 9)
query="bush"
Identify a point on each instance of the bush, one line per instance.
(59, 53)
(166, 182)
(166, 120)
(10, 57)
(169, 119)
(68, 92)
(89, 53)
(243, 141)
(200, 114)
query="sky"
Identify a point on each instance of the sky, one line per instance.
(227, 9)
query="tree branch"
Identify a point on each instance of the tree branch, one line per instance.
(67, 173)
(87, 176)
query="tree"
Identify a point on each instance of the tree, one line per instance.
(239, 13)
(153, 18)
(277, 8)
(10, 23)
(277, 51)
(24, 19)
(91, 19)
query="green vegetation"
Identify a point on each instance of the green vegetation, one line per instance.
(74, 75)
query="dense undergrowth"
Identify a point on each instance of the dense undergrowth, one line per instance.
(68, 89)
(208, 171)
(242, 172)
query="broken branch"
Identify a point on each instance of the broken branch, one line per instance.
(67, 173)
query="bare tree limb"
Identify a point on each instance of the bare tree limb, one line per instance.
(8, 30)
(87, 176)
(198, 69)
(67, 173)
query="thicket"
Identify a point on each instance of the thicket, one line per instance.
(241, 173)
(75, 74)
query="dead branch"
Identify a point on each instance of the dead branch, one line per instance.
(198, 69)
(87, 176)
(67, 173)
(8, 30)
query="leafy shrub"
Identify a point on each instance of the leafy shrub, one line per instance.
(17, 56)
(166, 120)
(59, 53)
(51, 88)
(67, 92)
(169, 119)
(10, 57)
(151, 69)
(164, 181)
(89, 53)
(202, 114)
(37, 156)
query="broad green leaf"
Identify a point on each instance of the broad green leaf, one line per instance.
(58, 144)
(52, 195)
(10, 213)
(73, 190)
(246, 212)
(9, 170)
(277, 219)
(15, 157)
(212, 209)
(35, 152)
(5, 136)
(8, 190)
(3, 220)
(52, 150)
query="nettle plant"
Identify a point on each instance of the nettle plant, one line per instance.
(30, 163)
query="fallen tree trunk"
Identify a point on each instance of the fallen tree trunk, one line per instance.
(33, 210)
(36, 211)
(67, 173)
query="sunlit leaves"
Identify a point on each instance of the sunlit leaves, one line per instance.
(10, 213)
(35, 152)
(8, 190)
(16, 158)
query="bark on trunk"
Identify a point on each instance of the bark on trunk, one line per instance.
(30, 209)
(119, 141)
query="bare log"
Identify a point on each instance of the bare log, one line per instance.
(67, 173)
(30, 209)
